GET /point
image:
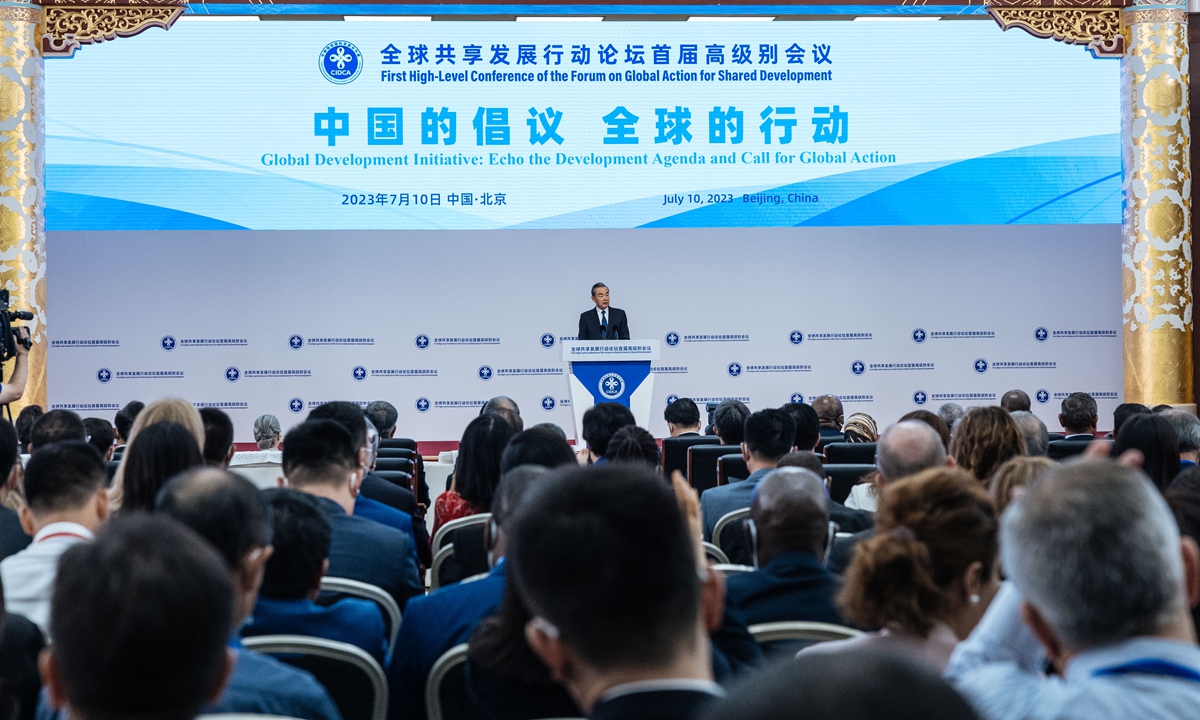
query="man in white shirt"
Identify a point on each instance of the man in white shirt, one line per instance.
(66, 503)
(1103, 582)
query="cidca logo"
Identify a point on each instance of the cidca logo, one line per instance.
(672, 398)
(168, 343)
(295, 342)
(232, 374)
(359, 373)
(797, 397)
(672, 339)
(919, 397)
(612, 386)
(422, 404)
(296, 405)
(796, 337)
(103, 375)
(981, 366)
(918, 335)
(548, 403)
(1043, 396)
(548, 341)
(485, 372)
(340, 62)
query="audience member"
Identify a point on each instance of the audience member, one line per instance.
(1183, 497)
(383, 415)
(1163, 407)
(551, 427)
(506, 408)
(621, 613)
(13, 537)
(218, 437)
(140, 621)
(100, 436)
(476, 470)
(633, 444)
(66, 503)
(1078, 416)
(123, 422)
(1011, 479)
(808, 426)
(156, 454)
(928, 574)
(230, 513)
(1123, 412)
(57, 426)
(600, 423)
(951, 413)
(1016, 401)
(1037, 439)
(769, 436)
(683, 418)
(985, 438)
(830, 415)
(319, 458)
(21, 643)
(1153, 435)
(845, 686)
(267, 432)
(932, 420)
(860, 428)
(848, 520)
(446, 617)
(1187, 430)
(176, 410)
(24, 425)
(729, 421)
(539, 445)
(1103, 582)
(292, 582)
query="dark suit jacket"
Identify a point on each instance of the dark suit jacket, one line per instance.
(843, 551)
(370, 552)
(380, 490)
(20, 643)
(850, 520)
(12, 538)
(618, 325)
(655, 705)
(793, 586)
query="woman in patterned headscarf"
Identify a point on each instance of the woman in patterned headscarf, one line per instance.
(860, 428)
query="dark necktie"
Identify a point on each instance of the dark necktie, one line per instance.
(604, 322)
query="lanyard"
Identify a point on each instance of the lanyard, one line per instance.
(1150, 667)
(61, 534)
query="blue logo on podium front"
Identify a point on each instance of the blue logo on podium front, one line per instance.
(981, 366)
(919, 397)
(104, 375)
(360, 373)
(485, 373)
(672, 398)
(232, 374)
(547, 341)
(735, 369)
(1041, 334)
(168, 343)
(340, 62)
(295, 342)
(796, 398)
(612, 386)
(796, 337)
(857, 367)
(422, 342)
(422, 404)
(548, 403)
(919, 335)
(1043, 396)
(296, 405)
(672, 339)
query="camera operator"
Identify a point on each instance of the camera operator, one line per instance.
(12, 390)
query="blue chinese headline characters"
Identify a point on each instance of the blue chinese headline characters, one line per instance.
(605, 54)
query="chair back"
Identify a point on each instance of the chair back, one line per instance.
(446, 696)
(458, 551)
(716, 554)
(675, 452)
(1060, 449)
(731, 468)
(397, 452)
(353, 679)
(398, 443)
(110, 468)
(728, 535)
(404, 465)
(366, 591)
(779, 639)
(1051, 437)
(732, 568)
(826, 440)
(395, 477)
(702, 464)
(243, 716)
(844, 453)
(844, 477)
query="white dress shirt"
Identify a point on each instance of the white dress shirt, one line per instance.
(601, 316)
(863, 497)
(28, 576)
(998, 669)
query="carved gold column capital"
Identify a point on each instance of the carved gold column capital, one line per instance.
(69, 24)
(1095, 24)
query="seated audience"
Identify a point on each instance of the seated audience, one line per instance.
(156, 454)
(1187, 430)
(932, 420)
(848, 520)
(605, 562)
(1103, 583)
(788, 534)
(446, 617)
(1037, 439)
(1078, 416)
(929, 572)
(230, 513)
(539, 445)
(1183, 497)
(860, 428)
(729, 421)
(506, 408)
(1162, 407)
(140, 621)
(176, 410)
(123, 422)
(1154, 436)
(21, 643)
(267, 432)
(808, 427)
(383, 415)
(905, 449)
(985, 438)
(218, 437)
(66, 503)
(683, 418)
(24, 425)
(100, 436)
(292, 582)
(319, 459)
(57, 426)
(1016, 401)
(600, 423)
(829, 414)
(633, 444)
(1123, 412)
(769, 435)
(476, 470)
(951, 413)
(1014, 476)
(13, 538)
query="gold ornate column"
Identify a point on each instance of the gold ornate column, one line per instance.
(1156, 252)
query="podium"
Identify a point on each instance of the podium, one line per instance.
(610, 371)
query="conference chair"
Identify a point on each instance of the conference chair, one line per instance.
(827, 439)
(395, 477)
(395, 463)
(396, 452)
(458, 550)
(1051, 437)
(731, 568)
(398, 443)
(714, 553)
(338, 587)
(779, 639)
(446, 695)
(731, 468)
(675, 452)
(844, 477)
(1062, 449)
(355, 682)
(728, 535)
(243, 716)
(844, 453)
(110, 467)
(702, 464)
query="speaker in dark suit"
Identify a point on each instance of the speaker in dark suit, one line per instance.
(603, 322)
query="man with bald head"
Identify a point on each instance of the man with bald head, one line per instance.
(830, 413)
(1015, 401)
(788, 532)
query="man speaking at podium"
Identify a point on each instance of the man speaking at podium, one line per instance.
(603, 322)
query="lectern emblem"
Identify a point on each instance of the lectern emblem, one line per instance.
(612, 386)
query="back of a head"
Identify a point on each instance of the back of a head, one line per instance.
(605, 556)
(1094, 549)
(224, 508)
(808, 425)
(346, 414)
(928, 530)
(932, 420)
(500, 402)
(985, 438)
(57, 426)
(319, 452)
(383, 415)
(791, 512)
(1019, 472)
(536, 446)
(140, 620)
(907, 448)
(514, 487)
(1037, 438)
(851, 685)
(729, 421)
(301, 537)
(951, 413)
(99, 434)
(601, 422)
(24, 424)
(123, 422)
(682, 413)
(803, 459)
(176, 410)
(860, 428)
(477, 469)
(63, 476)
(156, 454)
(769, 434)
(1123, 412)
(1016, 401)
(829, 410)
(9, 448)
(218, 435)
(266, 431)
(1187, 429)
(633, 444)
(1154, 435)
(1078, 412)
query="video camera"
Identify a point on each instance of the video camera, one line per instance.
(11, 335)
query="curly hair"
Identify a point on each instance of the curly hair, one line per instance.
(985, 438)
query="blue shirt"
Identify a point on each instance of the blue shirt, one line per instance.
(717, 502)
(353, 621)
(365, 507)
(432, 625)
(261, 684)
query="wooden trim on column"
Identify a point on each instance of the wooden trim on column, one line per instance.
(1193, 118)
